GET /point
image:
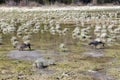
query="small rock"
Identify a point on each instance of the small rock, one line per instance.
(63, 47)
(42, 63)
(4, 71)
(91, 71)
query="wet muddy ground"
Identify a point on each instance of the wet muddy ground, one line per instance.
(37, 54)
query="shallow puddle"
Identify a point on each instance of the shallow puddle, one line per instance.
(98, 75)
(25, 55)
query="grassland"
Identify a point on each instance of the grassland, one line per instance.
(73, 64)
(70, 64)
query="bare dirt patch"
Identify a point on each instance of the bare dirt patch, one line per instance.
(25, 55)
